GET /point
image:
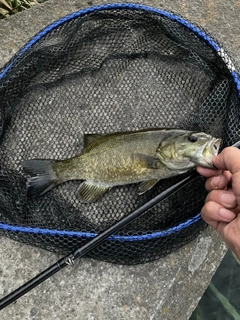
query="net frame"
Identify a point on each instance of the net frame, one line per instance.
(8, 228)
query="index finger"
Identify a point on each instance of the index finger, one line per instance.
(206, 172)
(228, 159)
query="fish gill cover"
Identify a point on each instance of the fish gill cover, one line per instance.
(118, 67)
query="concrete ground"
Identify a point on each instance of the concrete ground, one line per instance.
(166, 289)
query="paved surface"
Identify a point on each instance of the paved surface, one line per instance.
(166, 289)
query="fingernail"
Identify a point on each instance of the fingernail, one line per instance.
(228, 198)
(226, 214)
(215, 182)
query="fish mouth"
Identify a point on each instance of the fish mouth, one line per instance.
(207, 152)
(210, 149)
(214, 146)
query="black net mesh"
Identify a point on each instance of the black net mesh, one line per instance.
(107, 71)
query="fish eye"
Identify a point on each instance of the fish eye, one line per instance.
(192, 138)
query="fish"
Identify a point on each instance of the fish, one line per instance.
(121, 158)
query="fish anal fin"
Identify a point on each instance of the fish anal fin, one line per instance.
(147, 185)
(90, 191)
(89, 138)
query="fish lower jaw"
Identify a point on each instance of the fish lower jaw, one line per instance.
(206, 162)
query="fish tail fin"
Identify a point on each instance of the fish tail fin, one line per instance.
(43, 178)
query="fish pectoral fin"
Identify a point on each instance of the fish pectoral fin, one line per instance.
(148, 161)
(89, 138)
(147, 185)
(90, 192)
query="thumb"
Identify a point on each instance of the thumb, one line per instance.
(228, 159)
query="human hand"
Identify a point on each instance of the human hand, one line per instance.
(222, 205)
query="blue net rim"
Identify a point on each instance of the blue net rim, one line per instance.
(80, 13)
(88, 235)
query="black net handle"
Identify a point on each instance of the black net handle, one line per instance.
(96, 241)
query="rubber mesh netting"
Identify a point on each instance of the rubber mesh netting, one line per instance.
(101, 70)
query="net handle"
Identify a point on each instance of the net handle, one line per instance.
(96, 241)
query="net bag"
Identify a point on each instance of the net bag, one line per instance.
(116, 67)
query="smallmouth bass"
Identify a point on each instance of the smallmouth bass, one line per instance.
(121, 158)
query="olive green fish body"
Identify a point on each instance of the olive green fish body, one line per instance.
(116, 160)
(122, 158)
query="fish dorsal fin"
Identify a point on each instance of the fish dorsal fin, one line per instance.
(90, 191)
(89, 138)
(147, 185)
